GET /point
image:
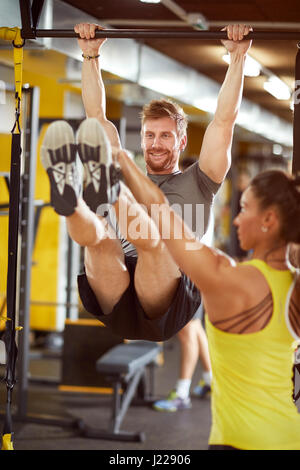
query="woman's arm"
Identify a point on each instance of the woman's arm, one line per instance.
(204, 265)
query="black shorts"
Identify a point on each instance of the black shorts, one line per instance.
(128, 318)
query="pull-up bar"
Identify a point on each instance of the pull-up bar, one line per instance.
(155, 33)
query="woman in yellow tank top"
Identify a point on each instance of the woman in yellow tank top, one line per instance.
(253, 310)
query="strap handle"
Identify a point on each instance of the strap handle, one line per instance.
(14, 35)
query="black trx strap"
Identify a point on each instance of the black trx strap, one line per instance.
(9, 336)
(296, 131)
(10, 327)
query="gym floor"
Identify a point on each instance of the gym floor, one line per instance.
(183, 430)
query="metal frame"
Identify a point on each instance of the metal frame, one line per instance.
(30, 113)
(30, 16)
(156, 33)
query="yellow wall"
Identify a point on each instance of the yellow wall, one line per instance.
(45, 257)
(4, 197)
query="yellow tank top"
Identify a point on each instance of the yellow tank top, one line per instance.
(252, 405)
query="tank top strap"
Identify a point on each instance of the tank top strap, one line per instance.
(280, 283)
(257, 263)
(269, 273)
(264, 268)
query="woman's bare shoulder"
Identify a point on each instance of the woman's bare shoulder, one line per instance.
(241, 287)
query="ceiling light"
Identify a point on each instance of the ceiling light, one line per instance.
(277, 149)
(197, 20)
(150, 1)
(252, 67)
(164, 85)
(277, 88)
(206, 104)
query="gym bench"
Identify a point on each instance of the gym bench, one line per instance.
(123, 367)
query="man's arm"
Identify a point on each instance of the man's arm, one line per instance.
(93, 91)
(215, 154)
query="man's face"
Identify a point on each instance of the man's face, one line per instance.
(161, 145)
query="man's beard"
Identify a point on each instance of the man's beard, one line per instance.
(159, 164)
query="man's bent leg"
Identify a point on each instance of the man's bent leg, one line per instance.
(106, 273)
(105, 269)
(103, 255)
(156, 274)
(84, 227)
(156, 280)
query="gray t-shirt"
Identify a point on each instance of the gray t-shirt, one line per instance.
(190, 194)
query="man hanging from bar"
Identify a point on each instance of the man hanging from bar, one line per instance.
(130, 281)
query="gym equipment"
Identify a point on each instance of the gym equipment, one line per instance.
(30, 16)
(147, 33)
(123, 366)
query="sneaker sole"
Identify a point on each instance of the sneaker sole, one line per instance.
(95, 153)
(165, 410)
(172, 410)
(58, 155)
